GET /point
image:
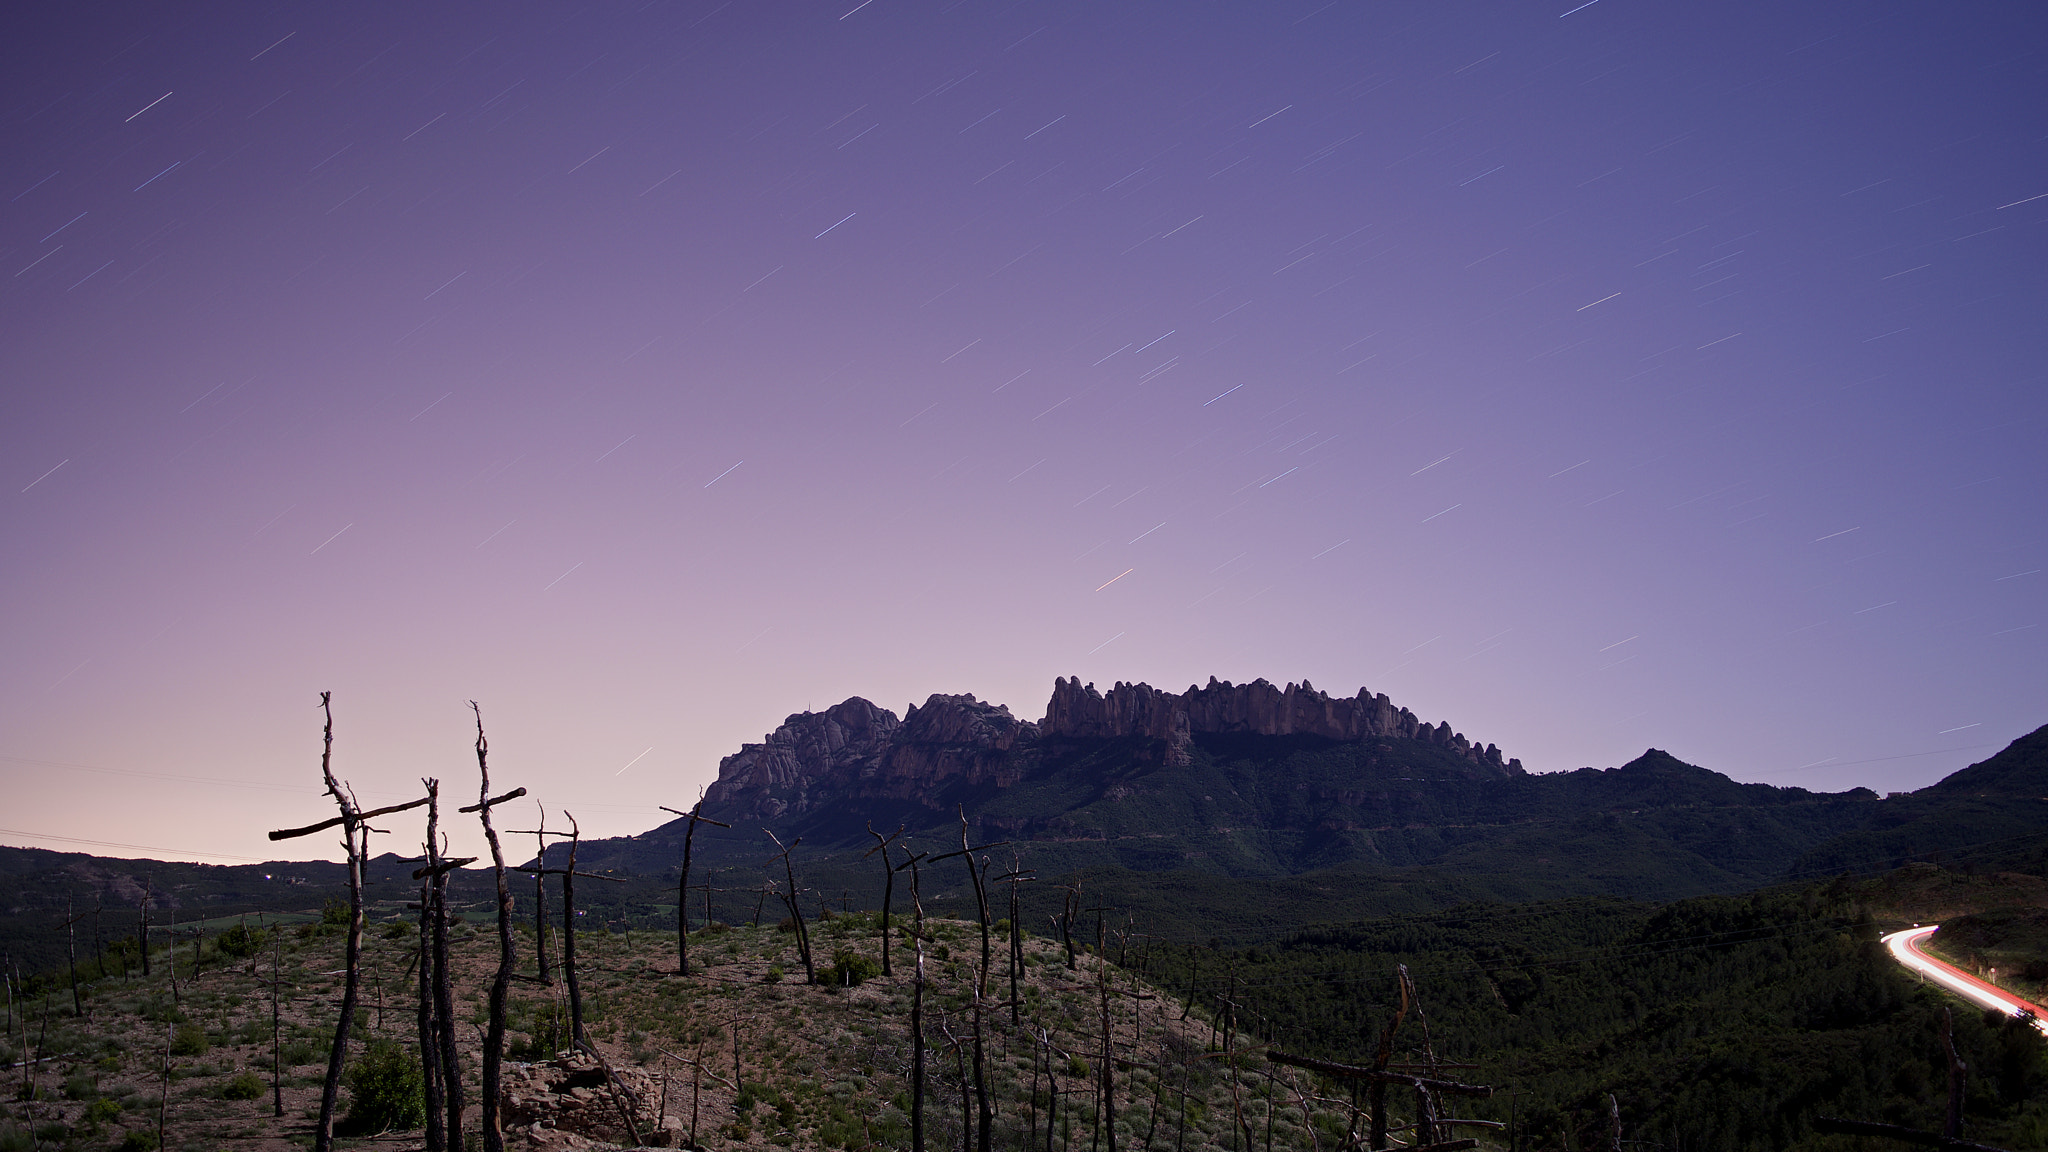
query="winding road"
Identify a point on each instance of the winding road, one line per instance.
(1905, 948)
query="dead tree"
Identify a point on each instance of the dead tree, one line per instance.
(568, 875)
(1383, 1055)
(508, 957)
(70, 927)
(443, 1055)
(576, 1035)
(144, 930)
(1066, 921)
(1950, 1137)
(796, 912)
(1379, 1077)
(355, 836)
(1014, 877)
(976, 876)
(276, 983)
(916, 1011)
(1106, 1117)
(888, 885)
(683, 886)
(540, 834)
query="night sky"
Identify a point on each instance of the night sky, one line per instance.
(1645, 374)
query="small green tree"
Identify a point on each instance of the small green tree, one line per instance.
(850, 968)
(238, 942)
(386, 1091)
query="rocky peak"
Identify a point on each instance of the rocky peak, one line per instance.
(842, 744)
(964, 720)
(1258, 707)
(856, 750)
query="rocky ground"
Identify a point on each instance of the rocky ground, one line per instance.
(741, 1054)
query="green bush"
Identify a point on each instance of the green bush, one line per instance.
(13, 1139)
(386, 1091)
(247, 1086)
(80, 1086)
(101, 1111)
(850, 968)
(238, 942)
(398, 930)
(335, 913)
(189, 1040)
(137, 1142)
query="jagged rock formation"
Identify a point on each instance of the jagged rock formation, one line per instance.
(1257, 707)
(857, 750)
(842, 744)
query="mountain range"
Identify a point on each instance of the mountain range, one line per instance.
(1232, 810)
(1261, 789)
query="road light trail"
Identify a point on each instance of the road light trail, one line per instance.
(1905, 948)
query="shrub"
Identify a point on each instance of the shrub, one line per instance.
(247, 1086)
(13, 1139)
(101, 1111)
(850, 968)
(386, 1091)
(80, 1086)
(397, 930)
(238, 942)
(774, 974)
(137, 1142)
(189, 1040)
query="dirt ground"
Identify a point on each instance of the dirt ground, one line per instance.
(741, 1054)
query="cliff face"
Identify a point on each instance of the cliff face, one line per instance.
(1257, 708)
(856, 750)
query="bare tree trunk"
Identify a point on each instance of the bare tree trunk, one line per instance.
(796, 912)
(444, 996)
(1108, 1116)
(276, 1019)
(1016, 945)
(337, 1055)
(569, 935)
(71, 948)
(540, 898)
(163, 1100)
(355, 840)
(1952, 1127)
(683, 886)
(429, 1019)
(145, 927)
(508, 957)
(888, 887)
(683, 895)
(916, 1016)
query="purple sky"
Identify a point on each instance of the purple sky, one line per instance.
(1649, 374)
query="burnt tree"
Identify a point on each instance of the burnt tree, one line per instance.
(695, 815)
(508, 957)
(355, 836)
